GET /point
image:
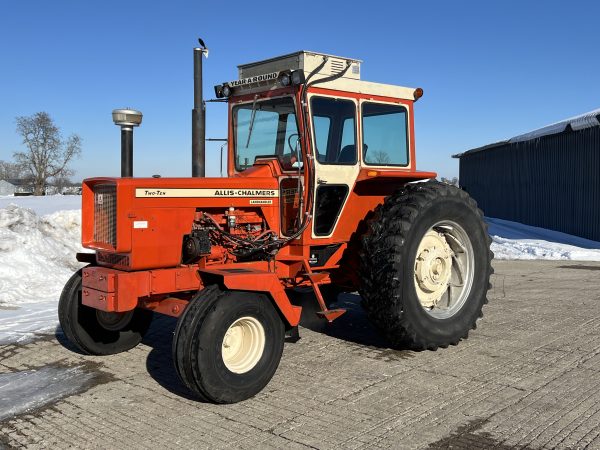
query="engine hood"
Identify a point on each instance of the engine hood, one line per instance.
(143, 189)
(260, 181)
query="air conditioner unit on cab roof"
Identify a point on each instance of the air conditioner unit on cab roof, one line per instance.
(303, 60)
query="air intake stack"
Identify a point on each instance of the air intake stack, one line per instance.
(127, 119)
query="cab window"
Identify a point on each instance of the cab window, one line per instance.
(266, 128)
(385, 137)
(334, 126)
(322, 126)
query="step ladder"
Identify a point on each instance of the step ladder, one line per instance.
(316, 279)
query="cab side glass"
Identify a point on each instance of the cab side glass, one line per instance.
(335, 130)
(322, 125)
(385, 138)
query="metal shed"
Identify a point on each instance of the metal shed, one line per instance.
(547, 178)
(6, 188)
(16, 186)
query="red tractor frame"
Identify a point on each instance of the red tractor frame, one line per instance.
(320, 192)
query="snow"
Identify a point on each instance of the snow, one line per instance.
(31, 389)
(43, 205)
(586, 120)
(37, 257)
(512, 240)
(39, 237)
(21, 324)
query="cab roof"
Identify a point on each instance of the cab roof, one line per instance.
(258, 75)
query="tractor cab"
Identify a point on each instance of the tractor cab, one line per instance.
(325, 129)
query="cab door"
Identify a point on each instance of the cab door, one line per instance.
(336, 159)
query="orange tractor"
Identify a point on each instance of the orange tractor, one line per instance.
(322, 192)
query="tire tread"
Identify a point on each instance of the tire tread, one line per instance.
(380, 256)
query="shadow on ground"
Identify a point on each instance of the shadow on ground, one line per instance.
(352, 327)
(159, 362)
(59, 334)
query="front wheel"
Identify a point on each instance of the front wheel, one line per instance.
(228, 344)
(97, 332)
(425, 266)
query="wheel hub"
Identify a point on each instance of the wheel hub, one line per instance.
(243, 345)
(433, 268)
(113, 321)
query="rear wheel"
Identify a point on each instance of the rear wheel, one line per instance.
(228, 344)
(98, 332)
(425, 266)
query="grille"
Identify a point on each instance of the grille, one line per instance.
(105, 214)
(337, 66)
(112, 258)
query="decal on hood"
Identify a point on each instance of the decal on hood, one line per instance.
(203, 193)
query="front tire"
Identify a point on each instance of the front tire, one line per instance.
(425, 266)
(228, 344)
(96, 332)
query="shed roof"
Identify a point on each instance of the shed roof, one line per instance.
(585, 120)
(19, 181)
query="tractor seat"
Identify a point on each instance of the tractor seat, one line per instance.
(348, 154)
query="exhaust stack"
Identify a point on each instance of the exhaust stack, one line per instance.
(198, 116)
(127, 119)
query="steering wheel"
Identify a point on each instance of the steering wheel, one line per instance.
(288, 160)
(292, 149)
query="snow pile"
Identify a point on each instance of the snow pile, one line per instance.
(512, 240)
(37, 257)
(43, 205)
(37, 253)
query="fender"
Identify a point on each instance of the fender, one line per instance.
(255, 280)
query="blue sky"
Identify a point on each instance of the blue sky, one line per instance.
(490, 70)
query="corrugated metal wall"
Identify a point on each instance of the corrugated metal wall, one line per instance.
(551, 182)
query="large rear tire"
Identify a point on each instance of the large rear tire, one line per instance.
(96, 332)
(228, 344)
(425, 266)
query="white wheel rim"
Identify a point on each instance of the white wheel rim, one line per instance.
(444, 269)
(243, 345)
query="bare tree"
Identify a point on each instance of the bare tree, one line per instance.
(47, 154)
(9, 170)
(380, 157)
(61, 182)
(453, 181)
